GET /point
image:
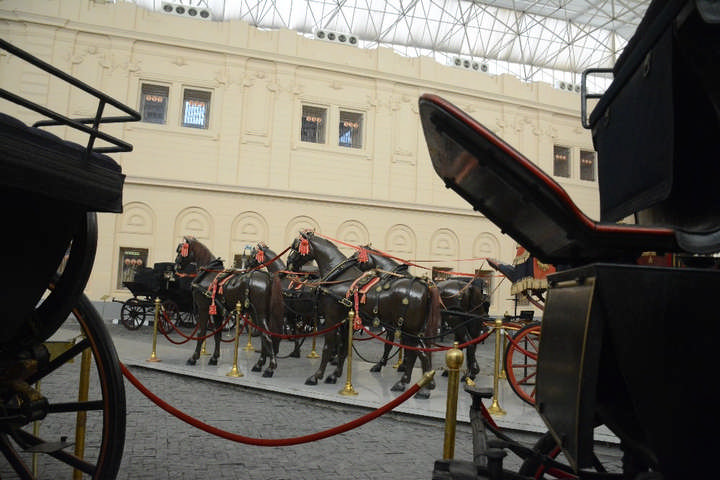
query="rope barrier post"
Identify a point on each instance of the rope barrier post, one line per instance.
(249, 347)
(503, 375)
(398, 336)
(349, 390)
(313, 353)
(453, 360)
(81, 416)
(234, 372)
(495, 408)
(203, 350)
(153, 355)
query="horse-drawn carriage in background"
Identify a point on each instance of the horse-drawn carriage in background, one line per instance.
(164, 283)
(50, 190)
(619, 346)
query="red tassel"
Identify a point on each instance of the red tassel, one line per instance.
(213, 309)
(357, 322)
(363, 256)
(185, 249)
(260, 256)
(304, 248)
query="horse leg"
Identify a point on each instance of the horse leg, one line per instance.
(269, 344)
(341, 353)
(386, 354)
(410, 357)
(472, 364)
(213, 360)
(296, 341)
(263, 356)
(327, 351)
(202, 324)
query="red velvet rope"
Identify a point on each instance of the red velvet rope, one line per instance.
(268, 442)
(191, 337)
(425, 349)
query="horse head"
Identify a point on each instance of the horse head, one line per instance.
(300, 251)
(191, 251)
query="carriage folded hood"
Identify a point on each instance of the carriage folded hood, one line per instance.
(520, 198)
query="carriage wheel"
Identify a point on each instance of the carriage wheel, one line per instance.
(103, 414)
(521, 361)
(170, 318)
(132, 313)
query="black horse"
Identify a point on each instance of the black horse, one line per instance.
(290, 294)
(217, 291)
(409, 305)
(458, 294)
(466, 303)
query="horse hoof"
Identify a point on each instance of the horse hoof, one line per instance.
(311, 381)
(191, 361)
(331, 379)
(401, 368)
(256, 368)
(423, 393)
(294, 354)
(398, 387)
(213, 361)
(376, 368)
(268, 373)
(445, 373)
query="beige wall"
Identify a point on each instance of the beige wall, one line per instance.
(248, 177)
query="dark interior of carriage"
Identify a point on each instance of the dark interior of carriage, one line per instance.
(48, 186)
(615, 351)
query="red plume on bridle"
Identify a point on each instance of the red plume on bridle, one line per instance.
(304, 247)
(185, 249)
(362, 255)
(260, 256)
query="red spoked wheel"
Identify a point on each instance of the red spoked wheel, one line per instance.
(521, 356)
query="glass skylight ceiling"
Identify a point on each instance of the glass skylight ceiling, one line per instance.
(542, 40)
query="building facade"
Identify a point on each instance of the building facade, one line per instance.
(251, 135)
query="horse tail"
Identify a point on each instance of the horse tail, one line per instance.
(277, 305)
(433, 322)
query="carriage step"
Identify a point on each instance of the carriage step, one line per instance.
(49, 447)
(479, 392)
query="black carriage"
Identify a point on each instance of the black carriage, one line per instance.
(159, 282)
(619, 347)
(50, 190)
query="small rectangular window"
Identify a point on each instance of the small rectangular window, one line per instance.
(314, 120)
(153, 103)
(350, 129)
(196, 108)
(561, 161)
(587, 165)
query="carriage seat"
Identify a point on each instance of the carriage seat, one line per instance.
(656, 128)
(521, 199)
(45, 164)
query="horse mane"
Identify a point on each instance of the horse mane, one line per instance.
(203, 255)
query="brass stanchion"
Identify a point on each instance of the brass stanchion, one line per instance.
(153, 355)
(453, 359)
(234, 372)
(313, 353)
(495, 408)
(248, 347)
(503, 375)
(398, 336)
(203, 350)
(81, 417)
(349, 390)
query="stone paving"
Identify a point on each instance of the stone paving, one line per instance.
(159, 446)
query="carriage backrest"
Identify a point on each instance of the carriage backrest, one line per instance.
(657, 126)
